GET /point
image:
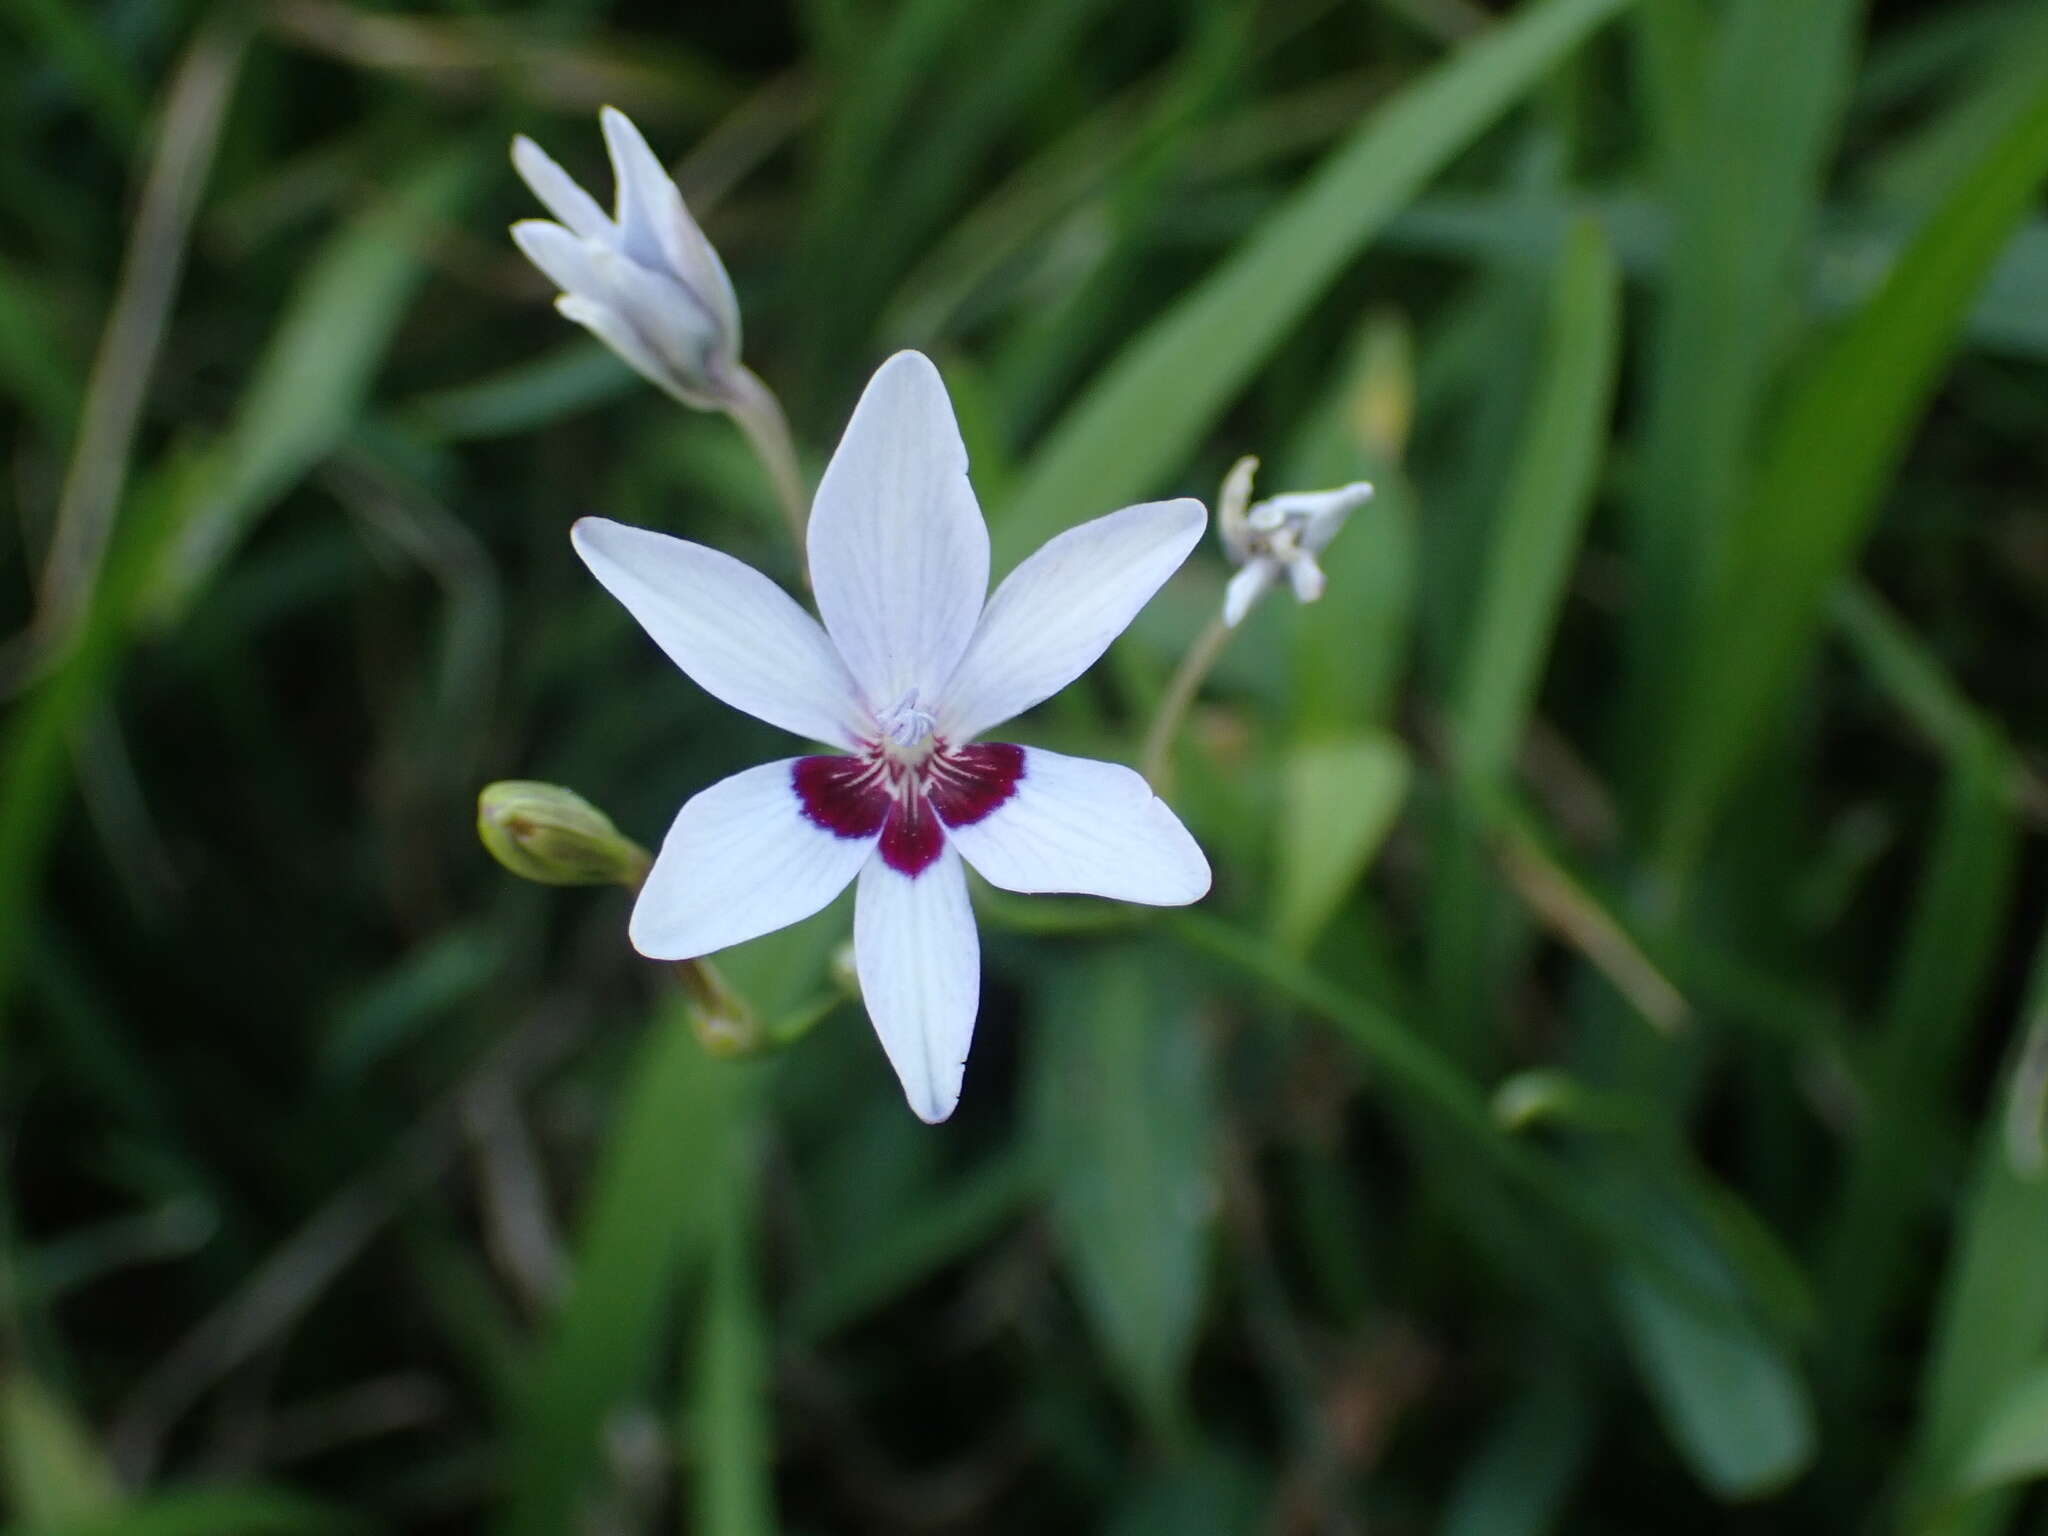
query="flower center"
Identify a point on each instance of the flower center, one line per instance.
(908, 794)
(905, 724)
(1275, 534)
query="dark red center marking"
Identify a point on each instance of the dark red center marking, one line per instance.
(848, 796)
(860, 796)
(911, 841)
(966, 785)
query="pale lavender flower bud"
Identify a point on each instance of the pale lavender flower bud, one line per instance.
(644, 280)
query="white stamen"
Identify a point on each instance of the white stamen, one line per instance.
(905, 724)
(1281, 535)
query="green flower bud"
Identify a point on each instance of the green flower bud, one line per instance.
(552, 835)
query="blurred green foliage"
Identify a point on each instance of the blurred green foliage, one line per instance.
(1605, 1091)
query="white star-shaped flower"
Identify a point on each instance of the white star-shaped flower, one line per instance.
(913, 661)
(644, 281)
(1279, 536)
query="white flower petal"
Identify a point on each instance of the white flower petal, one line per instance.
(656, 228)
(558, 192)
(563, 257)
(1245, 589)
(741, 859)
(1322, 514)
(899, 553)
(706, 275)
(647, 198)
(1306, 577)
(737, 634)
(610, 327)
(1088, 828)
(1059, 610)
(669, 318)
(919, 959)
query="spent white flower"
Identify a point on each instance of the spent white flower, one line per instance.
(913, 661)
(1279, 536)
(644, 281)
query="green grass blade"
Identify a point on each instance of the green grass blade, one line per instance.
(212, 1512)
(1991, 1320)
(1843, 429)
(650, 1208)
(1204, 1494)
(2013, 1446)
(1914, 678)
(1125, 438)
(89, 53)
(34, 746)
(1549, 499)
(1914, 174)
(51, 1469)
(36, 369)
(1528, 559)
(1518, 1483)
(1903, 667)
(1123, 1113)
(1958, 920)
(314, 377)
(1746, 170)
(1730, 1398)
(1339, 799)
(942, 1230)
(525, 398)
(138, 320)
(1669, 39)
(733, 1417)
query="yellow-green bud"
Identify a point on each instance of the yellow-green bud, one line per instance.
(550, 834)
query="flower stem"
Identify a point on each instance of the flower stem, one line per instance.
(1156, 762)
(759, 414)
(724, 1022)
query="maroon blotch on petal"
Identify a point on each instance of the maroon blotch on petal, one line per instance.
(845, 795)
(967, 783)
(912, 840)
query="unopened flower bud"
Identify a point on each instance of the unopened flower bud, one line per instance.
(1281, 536)
(644, 280)
(552, 835)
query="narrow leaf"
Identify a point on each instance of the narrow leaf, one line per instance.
(650, 1209)
(1543, 519)
(1123, 439)
(1124, 1113)
(1729, 1396)
(313, 378)
(54, 1472)
(1844, 428)
(1518, 1483)
(733, 1415)
(1338, 801)
(1746, 176)
(1991, 1321)
(2014, 1443)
